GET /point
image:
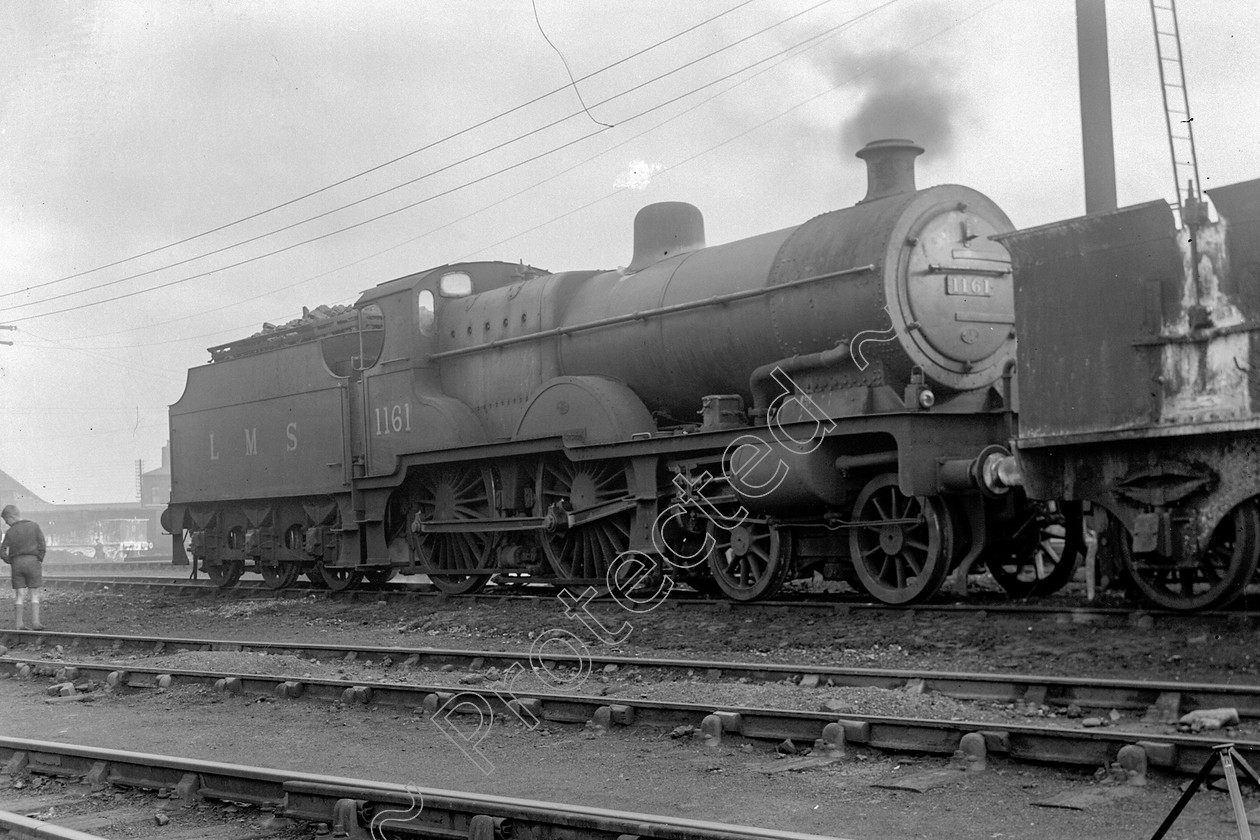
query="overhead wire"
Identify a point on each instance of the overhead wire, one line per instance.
(454, 135)
(407, 183)
(56, 344)
(572, 82)
(686, 160)
(829, 32)
(747, 131)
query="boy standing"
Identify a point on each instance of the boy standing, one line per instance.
(23, 549)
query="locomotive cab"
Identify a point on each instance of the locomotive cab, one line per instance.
(403, 406)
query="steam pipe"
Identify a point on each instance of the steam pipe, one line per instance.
(761, 381)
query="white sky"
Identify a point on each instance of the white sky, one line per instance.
(127, 126)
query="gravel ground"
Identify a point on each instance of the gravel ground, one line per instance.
(1204, 650)
(642, 769)
(649, 684)
(635, 770)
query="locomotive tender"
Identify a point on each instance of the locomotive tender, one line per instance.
(1138, 356)
(832, 398)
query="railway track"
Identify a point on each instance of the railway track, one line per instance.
(829, 732)
(279, 800)
(1063, 613)
(1165, 698)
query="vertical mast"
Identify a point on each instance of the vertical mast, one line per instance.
(1095, 83)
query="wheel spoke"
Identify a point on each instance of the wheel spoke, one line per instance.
(901, 556)
(584, 552)
(750, 561)
(457, 494)
(1221, 572)
(1039, 556)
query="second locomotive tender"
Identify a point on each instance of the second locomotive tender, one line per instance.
(488, 419)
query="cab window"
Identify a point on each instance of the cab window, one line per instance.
(455, 284)
(425, 314)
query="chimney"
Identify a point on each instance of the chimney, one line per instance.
(1097, 145)
(889, 167)
(665, 229)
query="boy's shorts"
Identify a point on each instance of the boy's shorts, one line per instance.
(27, 572)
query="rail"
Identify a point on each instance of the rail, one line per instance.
(350, 805)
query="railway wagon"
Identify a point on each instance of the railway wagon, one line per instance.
(1138, 362)
(828, 399)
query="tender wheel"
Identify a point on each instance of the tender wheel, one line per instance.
(379, 575)
(225, 574)
(449, 494)
(1214, 580)
(586, 551)
(901, 545)
(339, 579)
(1042, 550)
(279, 575)
(749, 562)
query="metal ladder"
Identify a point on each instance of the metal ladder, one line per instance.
(1172, 81)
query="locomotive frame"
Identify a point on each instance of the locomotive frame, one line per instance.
(852, 377)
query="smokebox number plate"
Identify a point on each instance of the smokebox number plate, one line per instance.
(969, 286)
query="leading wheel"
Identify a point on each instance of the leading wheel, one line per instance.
(900, 545)
(583, 552)
(1040, 553)
(750, 561)
(1211, 581)
(452, 494)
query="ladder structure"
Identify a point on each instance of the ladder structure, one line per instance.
(1172, 80)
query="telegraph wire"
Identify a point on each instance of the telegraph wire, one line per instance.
(572, 82)
(290, 247)
(149, 370)
(390, 162)
(693, 157)
(744, 133)
(464, 185)
(429, 174)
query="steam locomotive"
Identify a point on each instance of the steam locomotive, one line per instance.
(816, 400)
(835, 399)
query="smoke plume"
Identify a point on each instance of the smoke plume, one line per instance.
(901, 95)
